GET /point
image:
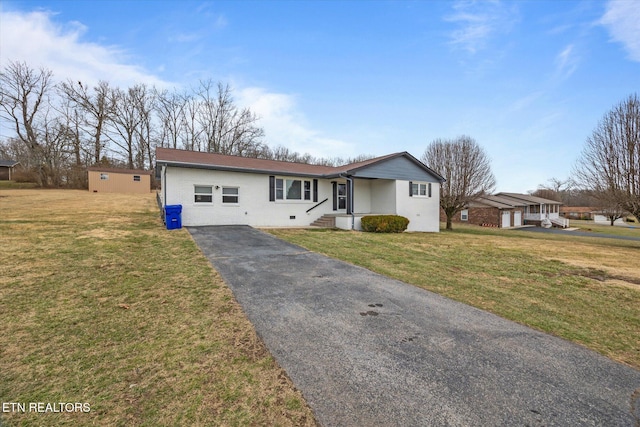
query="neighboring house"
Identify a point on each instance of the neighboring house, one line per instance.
(113, 180)
(507, 210)
(578, 212)
(600, 217)
(6, 169)
(491, 211)
(537, 209)
(216, 189)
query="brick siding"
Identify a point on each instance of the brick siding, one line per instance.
(488, 217)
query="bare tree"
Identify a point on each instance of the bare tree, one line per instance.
(23, 97)
(13, 148)
(57, 139)
(130, 124)
(95, 107)
(610, 160)
(192, 130)
(170, 108)
(609, 206)
(144, 100)
(552, 191)
(228, 130)
(69, 126)
(466, 168)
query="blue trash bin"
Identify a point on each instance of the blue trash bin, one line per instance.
(173, 216)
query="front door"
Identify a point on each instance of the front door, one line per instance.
(341, 196)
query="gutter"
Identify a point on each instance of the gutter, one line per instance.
(164, 185)
(245, 170)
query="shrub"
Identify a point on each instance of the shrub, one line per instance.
(384, 223)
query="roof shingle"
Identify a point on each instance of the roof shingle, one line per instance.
(197, 159)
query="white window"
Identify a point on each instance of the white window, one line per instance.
(136, 178)
(104, 176)
(293, 189)
(230, 195)
(464, 215)
(203, 194)
(421, 189)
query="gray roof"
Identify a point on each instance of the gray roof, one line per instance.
(8, 163)
(510, 200)
(497, 202)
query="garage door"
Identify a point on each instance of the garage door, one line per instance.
(517, 219)
(506, 219)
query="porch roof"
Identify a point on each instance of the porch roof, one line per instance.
(529, 199)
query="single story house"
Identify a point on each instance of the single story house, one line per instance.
(115, 180)
(537, 209)
(491, 211)
(505, 210)
(6, 169)
(216, 189)
(578, 212)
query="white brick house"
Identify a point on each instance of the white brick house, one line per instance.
(216, 189)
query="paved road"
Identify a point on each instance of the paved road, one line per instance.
(366, 350)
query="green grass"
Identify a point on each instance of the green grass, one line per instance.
(100, 304)
(7, 185)
(583, 289)
(630, 229)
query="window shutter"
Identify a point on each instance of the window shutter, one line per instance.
(315, 191)
(335, 195)
(272, 188)
(410, 188)
(429, 189)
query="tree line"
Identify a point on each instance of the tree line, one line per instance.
(606, 174)
(60, 128)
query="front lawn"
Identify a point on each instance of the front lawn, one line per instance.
(100, 305)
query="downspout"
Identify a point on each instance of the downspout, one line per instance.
(164, 185)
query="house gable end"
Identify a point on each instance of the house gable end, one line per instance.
(400, 167)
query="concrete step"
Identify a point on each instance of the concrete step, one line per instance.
(325, 221)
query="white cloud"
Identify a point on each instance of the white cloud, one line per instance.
(34, 38)
(525, 102)
(477, 22)
(622, 18)
(284, 125)
(566, 62)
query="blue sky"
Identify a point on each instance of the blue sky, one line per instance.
(529, 80)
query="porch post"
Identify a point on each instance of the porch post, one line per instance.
(349, 196)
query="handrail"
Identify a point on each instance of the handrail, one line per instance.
(313, 207)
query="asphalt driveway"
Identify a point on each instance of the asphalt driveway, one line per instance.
(367, 350)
